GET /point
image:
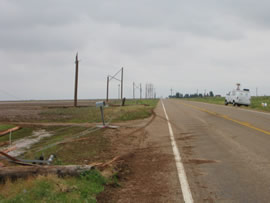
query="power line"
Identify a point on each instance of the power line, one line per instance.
(9, 94)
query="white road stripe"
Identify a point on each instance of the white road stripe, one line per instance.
(179, 165)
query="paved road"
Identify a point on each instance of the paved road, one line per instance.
(225, 151)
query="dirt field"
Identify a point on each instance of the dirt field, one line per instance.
(21, 111)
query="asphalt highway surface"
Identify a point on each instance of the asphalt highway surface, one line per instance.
(225, 151)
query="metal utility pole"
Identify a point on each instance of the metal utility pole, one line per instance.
(140, 90)
(146, 91)
(109, 78)
(152, 91)
(107, 95)
(149, 91)
(122, 77)
(118, 91)
(133, 90)
(76, 80)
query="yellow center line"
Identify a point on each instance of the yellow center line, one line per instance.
(230, 119)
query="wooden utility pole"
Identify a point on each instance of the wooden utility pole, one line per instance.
(107, 93)
(122, 77)
(76, 80)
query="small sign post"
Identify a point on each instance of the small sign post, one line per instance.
(101, 105)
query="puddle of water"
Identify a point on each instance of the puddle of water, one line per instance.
(23, 144)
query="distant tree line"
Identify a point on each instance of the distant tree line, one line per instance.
(179, 95)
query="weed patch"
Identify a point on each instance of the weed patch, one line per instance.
(24, 132)
(5, 127)
(54, 189)
(80, 152)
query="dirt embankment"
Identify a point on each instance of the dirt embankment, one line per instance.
(147, 172)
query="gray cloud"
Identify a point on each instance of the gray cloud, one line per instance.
(183, 45)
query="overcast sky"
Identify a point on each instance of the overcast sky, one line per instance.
(184, 45)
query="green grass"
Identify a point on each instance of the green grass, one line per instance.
(150, 102)
(134, 109)
(53, 189)
(68, 189)
(70, 152)
(4, 127)
(256, 102)
(24, 132)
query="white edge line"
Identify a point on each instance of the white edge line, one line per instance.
(187, 196)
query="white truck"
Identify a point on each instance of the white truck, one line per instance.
(238, 97)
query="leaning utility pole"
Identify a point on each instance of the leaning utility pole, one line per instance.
(122, 77)
(76, 80)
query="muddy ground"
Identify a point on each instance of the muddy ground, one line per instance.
(146, 171)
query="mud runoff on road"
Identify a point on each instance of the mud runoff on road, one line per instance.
(146, 171)
(137, 172)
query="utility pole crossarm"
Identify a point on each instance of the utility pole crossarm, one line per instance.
(109, 78)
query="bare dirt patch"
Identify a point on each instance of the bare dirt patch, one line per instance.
(200, 161)
(188, 137)
(23, 111)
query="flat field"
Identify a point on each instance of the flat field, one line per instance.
(74, 140)
(65, 112)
